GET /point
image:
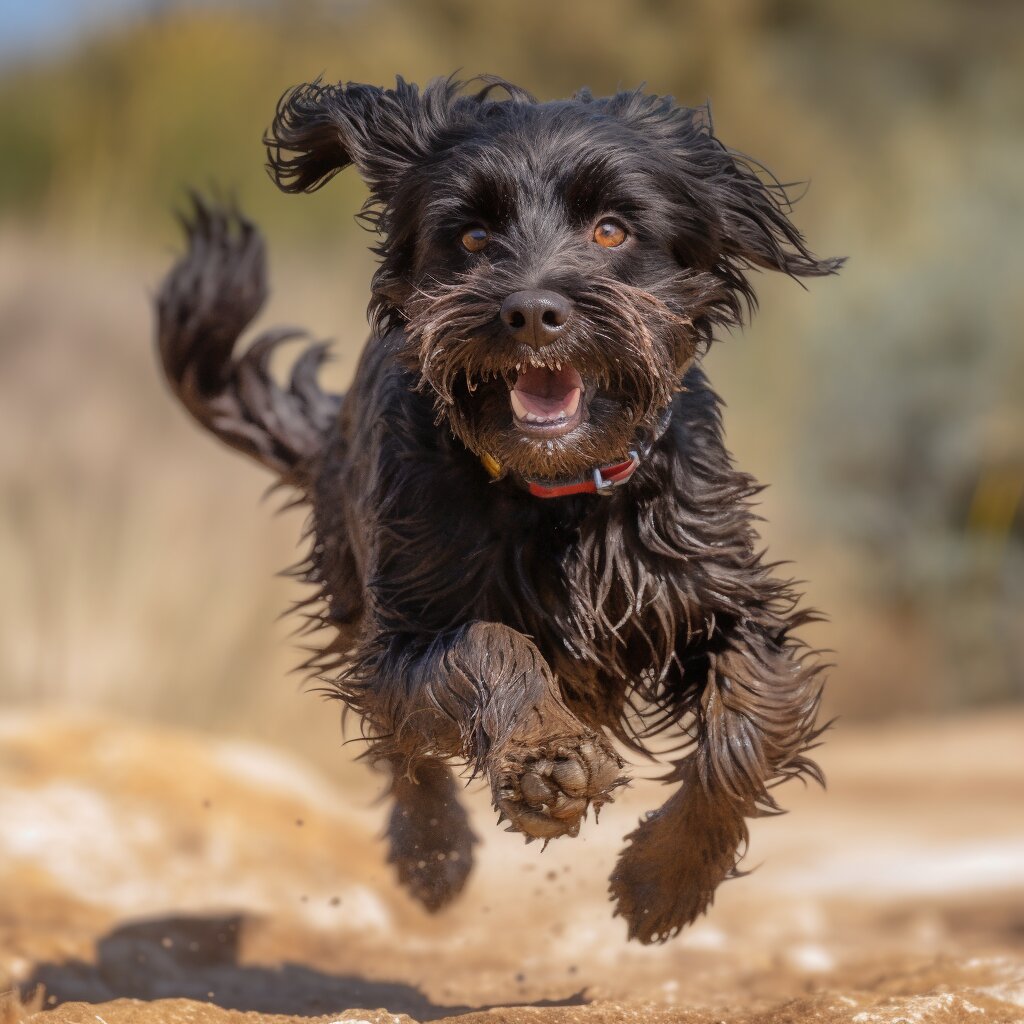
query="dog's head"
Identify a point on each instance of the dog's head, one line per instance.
(555, 266)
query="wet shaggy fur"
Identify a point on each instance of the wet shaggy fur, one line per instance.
(465, 621)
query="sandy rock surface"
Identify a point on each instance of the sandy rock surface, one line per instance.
(156, 876)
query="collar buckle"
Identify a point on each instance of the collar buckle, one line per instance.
(617, 475)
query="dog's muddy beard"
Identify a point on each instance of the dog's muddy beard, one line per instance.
(615, 369)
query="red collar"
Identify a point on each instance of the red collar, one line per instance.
(603, 480)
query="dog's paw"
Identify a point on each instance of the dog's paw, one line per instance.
(544, 791)
(430, 843)
(667, 875)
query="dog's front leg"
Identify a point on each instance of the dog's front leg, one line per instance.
(485, 694)
(754, 724)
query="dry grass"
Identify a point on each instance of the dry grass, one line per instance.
(139, 565)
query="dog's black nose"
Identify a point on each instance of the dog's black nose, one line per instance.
(536, 318)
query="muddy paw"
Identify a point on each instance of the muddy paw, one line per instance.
(667, 875)
(544, 791)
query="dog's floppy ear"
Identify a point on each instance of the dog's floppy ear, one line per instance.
(729, 207)
(751, 206)
(320, 129)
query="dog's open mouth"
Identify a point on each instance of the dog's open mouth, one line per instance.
(545, 402)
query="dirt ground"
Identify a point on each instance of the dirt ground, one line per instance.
(149, 875)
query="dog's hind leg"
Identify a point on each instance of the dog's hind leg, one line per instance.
(429, 838)
(754, 724)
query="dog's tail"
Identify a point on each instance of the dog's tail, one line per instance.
(205, 303)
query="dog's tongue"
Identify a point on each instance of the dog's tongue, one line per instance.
(546, 393)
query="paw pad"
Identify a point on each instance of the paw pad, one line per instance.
(545, 792)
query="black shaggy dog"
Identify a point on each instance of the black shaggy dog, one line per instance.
(528, 538)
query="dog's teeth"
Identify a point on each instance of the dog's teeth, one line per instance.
(517, 407)
(522, 414)
(519, 366)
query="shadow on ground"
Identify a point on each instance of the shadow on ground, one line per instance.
(198, 958)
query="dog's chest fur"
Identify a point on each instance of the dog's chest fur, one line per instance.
(605, 586)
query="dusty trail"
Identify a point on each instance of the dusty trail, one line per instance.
(152, 875)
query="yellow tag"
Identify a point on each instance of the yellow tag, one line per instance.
(491, 464)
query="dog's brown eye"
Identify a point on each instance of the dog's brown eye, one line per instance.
(475, 239)
(609, 234)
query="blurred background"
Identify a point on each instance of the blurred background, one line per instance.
(884, 407)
